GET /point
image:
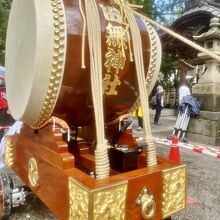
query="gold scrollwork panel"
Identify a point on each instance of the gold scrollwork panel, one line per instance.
(8, 156)
(101, 204)
(174, 190)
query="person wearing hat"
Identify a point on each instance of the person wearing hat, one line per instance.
(159, 104)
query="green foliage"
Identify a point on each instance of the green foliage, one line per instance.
(147, 5)
(169, 76)
(167, 11)
(4, 12)
(164, 11)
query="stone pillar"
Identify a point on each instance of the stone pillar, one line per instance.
(206, 127)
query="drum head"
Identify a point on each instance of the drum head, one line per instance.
(35, 55)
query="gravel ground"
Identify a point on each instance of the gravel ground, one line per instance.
(203, 183)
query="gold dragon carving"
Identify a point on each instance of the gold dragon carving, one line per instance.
(78, 201)
(8, 156)
(174, 190)
(101, 204)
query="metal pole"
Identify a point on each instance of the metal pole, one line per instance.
(176, 127)
(182, 121)
(185, 126)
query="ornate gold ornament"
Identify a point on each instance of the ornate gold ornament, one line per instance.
(110, 86)
(33, 175)
(105, 203)
(118, 41)
(174, 190)
(8, 156)
(146, 202)
(153, 54)
(78, 201)
(58, 62)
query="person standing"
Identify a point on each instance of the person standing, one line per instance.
(159, 104)
(140, 119)
(183, 91)
(6, 119)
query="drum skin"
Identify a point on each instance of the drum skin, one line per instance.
(75, 100)
(74, 103)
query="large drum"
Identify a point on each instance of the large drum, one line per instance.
(46, 49)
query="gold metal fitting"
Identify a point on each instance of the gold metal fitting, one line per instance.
(146, 202)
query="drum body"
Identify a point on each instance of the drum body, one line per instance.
(45, 75)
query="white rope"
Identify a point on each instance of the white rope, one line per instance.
(139, 64)
(172, 33)
(94, 37)
(188, 64)
(83, 36)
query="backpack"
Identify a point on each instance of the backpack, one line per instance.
(153, 100)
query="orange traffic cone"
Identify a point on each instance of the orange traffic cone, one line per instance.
(174, 150)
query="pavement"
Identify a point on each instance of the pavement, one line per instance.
(162, 130)
(203, 183)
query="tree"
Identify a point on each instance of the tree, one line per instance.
(147, 6)
(5, 6)
(167, 11)
(163, 11)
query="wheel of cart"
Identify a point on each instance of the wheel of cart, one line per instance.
(11, 194)
(189, 107)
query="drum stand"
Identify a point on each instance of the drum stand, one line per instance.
(54, 168)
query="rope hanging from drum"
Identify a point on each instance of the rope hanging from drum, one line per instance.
(138, 55)
(94, 37)
(83, 35)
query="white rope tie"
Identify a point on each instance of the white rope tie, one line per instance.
(94, 36)
(138, 55)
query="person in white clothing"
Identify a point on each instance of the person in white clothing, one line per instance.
(183, 91)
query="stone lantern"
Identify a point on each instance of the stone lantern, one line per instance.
(206, 127)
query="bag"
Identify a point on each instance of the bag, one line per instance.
(153, 101)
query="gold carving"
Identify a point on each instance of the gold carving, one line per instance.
(115, 60)
(8, 157)
(174, 190)
(78, 201)
(110, 86)
(33, 175)
(109, 203)
(112, 14)
(117, 39)
(58, 62)
(146, 202)
(104, 204)
(153, 54)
